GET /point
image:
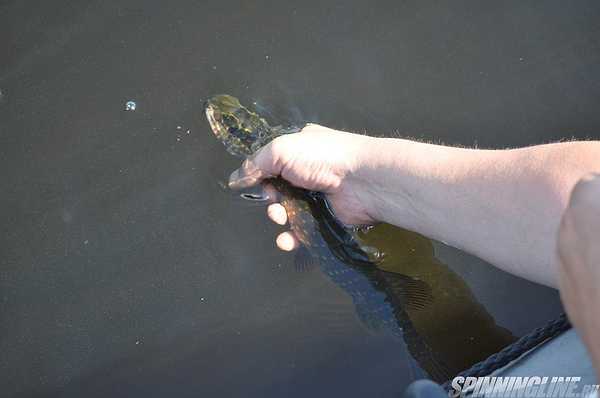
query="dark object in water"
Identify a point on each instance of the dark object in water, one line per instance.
(382, 299)
(244, 132)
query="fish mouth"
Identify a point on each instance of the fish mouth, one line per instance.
(213, 119)
(221, 131)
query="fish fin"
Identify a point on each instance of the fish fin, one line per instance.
(408, 294)
(304, 261)
(412, 294)
(428, 360)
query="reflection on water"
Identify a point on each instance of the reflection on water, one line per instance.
(410, 293)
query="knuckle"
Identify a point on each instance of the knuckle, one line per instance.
(310, 127)
(279, 145)
(280, 150)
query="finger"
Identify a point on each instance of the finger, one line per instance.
(286, 241)
(263, 164)
(277, 213)
(273, 195)
(247, 175)
(308, 127)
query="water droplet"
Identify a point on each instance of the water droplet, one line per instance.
(214, 67)
(178, 127)
(130, 106)
(267, 57)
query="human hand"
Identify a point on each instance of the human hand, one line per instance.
(579, 265)
(318, 159)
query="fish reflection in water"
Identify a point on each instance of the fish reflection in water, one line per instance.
(410, 293)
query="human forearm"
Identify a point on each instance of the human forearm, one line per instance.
(501, 205)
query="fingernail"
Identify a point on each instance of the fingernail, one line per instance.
(234, 178)
(238, 182)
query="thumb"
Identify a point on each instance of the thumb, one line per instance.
(257, 167)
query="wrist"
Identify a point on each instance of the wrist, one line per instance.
(382, 172)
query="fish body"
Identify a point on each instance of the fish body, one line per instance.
(383, 300)
(338, 249)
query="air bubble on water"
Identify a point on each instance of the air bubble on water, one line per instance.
(187, 131)
(178, 127)
(130, 106)
(214, 67)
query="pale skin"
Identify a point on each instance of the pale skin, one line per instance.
(579, 270)
(504, 206)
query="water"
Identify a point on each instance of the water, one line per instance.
(179, 290)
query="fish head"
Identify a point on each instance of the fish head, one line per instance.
(238, 128)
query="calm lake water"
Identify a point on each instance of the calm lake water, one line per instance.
(129, 271)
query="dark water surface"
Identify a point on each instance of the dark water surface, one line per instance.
(127, 270)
